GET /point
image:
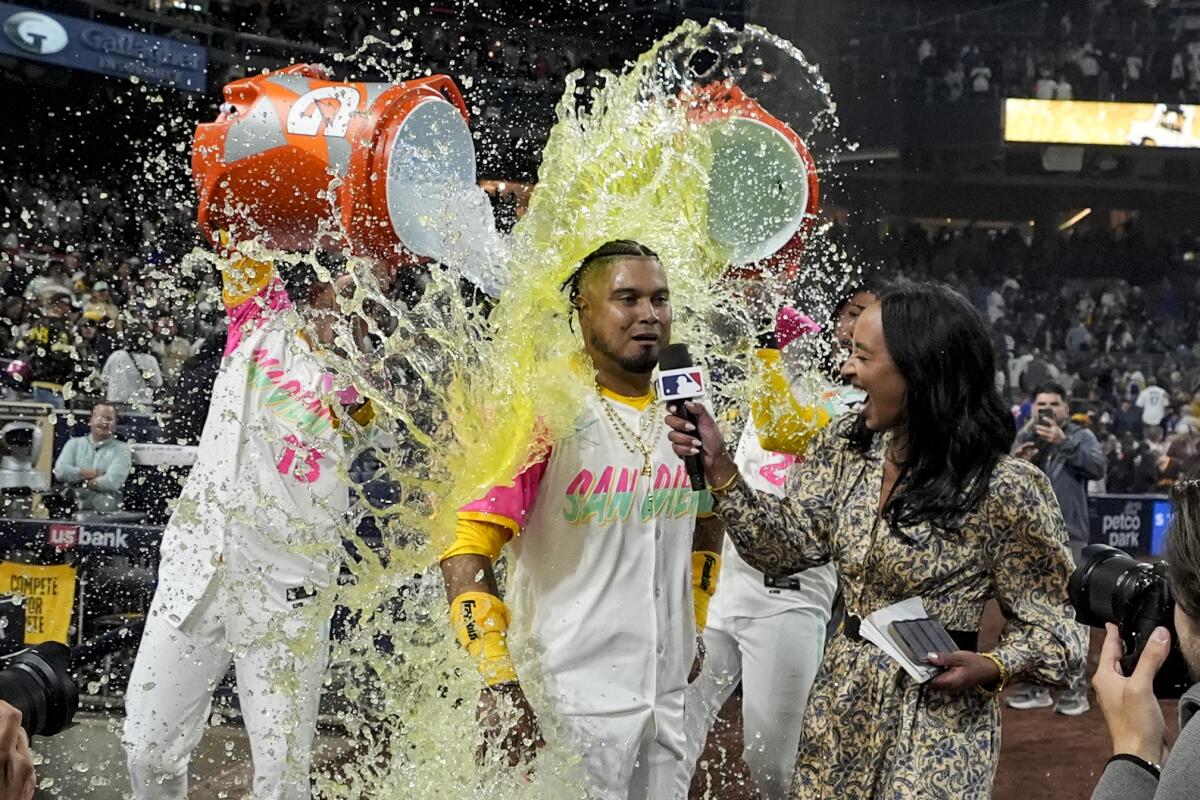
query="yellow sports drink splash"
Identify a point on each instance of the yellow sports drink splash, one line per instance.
(677, 154)
(687, 152)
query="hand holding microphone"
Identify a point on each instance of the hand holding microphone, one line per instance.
(694, 434)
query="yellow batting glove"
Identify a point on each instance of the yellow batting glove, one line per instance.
(481, 625)
(706, 567)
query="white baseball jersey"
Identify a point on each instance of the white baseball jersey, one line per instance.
(263, 498)
(742, 591)
(600, 588)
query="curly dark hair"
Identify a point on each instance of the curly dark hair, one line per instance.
(957, 427)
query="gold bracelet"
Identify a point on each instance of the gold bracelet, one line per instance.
(1003, 680)
(724, 487)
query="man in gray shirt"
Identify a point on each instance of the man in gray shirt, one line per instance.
(1070, 456)
(1134, 716)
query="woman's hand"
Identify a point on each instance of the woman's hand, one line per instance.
(964, 670)
(704, 439)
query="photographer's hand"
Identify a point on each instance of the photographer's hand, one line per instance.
(16, 764)
(1134, 716)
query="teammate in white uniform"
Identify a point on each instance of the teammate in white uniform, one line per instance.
(245, 554)
(768, 637)
(601, 537)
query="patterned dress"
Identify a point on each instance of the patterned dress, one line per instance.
(870, 731)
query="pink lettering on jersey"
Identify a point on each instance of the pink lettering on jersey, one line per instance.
(776, 471)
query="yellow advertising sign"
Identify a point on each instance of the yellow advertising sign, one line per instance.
(1089, 122)
(49, 593)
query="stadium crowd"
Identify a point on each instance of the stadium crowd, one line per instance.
(1110, 316)
(1109, 50)
(1107, 314)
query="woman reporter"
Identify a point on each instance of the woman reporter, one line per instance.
(914, 495)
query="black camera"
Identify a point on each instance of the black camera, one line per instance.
(1110, 586)
(37, 681)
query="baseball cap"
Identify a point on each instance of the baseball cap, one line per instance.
(99, 286)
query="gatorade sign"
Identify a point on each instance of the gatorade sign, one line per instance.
(49, 598)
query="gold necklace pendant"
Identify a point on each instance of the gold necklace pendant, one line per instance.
(638, 445)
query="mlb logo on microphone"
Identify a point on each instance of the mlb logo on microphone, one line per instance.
(684, 383)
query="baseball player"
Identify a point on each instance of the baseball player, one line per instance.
(250, 546)
(609, 565)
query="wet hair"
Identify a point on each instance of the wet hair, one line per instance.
(833, 357)
(958, 428)
(868, 283)
(617, 248)
(1183, 546)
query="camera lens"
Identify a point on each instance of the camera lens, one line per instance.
(37, 683)
(1107, 585)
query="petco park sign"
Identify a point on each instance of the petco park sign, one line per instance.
(1136, 524)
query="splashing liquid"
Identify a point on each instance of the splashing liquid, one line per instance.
(472, 399)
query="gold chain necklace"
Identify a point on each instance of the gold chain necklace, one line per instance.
(635, 442)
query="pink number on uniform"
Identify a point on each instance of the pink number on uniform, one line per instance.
(312, 459)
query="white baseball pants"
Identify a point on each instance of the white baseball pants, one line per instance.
(170, 695)
(776, 659)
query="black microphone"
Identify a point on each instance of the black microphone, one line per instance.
(678, 380)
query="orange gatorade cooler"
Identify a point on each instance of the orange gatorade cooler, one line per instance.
(298, 161)
(763, 192)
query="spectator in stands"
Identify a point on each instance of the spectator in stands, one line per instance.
(12, 323)
(1131, 76)
(171, 349)
(1038, 372)
(1070, 456)
(1079, 338)
(981, 79)
(1180, 462)
(954, 79)
(93, 346)
(101, 308)
(1127, 419)
(189, 397)
(1087, 62)
(132, 373)
(1119, 475)
(96, 464)
(1046, 87)
(1063, 89)
(49, 348)
(1153, 402)
(52, 280)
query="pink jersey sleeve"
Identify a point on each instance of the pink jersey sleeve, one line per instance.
(250, 314)
(509, 505)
